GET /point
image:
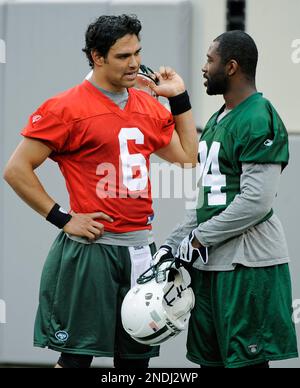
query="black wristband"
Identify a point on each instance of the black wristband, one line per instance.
(180, 104)
(58, 217)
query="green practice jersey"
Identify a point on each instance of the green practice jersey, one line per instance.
(251, 133)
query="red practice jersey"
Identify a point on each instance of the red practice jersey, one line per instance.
(103, 151)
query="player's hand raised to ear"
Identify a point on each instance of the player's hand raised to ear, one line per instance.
(170, 83)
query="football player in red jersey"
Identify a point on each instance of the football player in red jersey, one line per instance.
(101, 133)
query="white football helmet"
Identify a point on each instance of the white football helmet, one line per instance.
(158, 307)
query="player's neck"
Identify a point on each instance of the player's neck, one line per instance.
(97, 80)
(238, 94)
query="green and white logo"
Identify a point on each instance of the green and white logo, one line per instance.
(268, 143)
(253, 348)
(61, 336)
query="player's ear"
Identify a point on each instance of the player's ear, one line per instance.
(97, 58)
(231, 67)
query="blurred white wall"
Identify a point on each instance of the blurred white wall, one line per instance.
(209, 21)
(275, 26)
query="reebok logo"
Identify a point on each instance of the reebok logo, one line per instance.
(36, 118)
(268, 142)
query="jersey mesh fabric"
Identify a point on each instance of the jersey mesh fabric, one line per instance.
(251, 133)
(103, 151)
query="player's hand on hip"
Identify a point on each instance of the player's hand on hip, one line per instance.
(84, 225)
(170, 83)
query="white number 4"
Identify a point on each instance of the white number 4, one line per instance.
(213, 179)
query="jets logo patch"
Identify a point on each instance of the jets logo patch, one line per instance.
(253, 348)
(61, 336)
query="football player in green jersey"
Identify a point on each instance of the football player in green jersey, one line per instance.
(233, 242)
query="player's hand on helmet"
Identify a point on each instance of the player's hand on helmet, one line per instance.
(164, 253)
(85, 225)
(170, 83)
(189, 250)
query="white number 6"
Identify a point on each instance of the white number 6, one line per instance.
(132, 160)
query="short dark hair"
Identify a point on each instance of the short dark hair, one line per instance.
(106, 30)
(238, 45)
